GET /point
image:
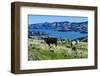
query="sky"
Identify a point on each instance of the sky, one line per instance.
(32, 19)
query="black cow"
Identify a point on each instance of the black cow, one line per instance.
(50, 40)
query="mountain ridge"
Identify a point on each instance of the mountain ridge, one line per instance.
(61, 26)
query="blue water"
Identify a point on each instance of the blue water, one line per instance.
(66, 35)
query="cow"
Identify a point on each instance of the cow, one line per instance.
(50, 40)
(73, 44)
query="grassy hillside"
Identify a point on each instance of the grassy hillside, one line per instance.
(39, 50)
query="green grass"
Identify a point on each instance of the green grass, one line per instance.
(39, 50)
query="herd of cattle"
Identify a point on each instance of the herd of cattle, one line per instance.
(54, 41)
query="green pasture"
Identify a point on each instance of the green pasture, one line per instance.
(39, 50)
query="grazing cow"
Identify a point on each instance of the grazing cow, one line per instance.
(62, 40)
(50, 40)
(73, 44)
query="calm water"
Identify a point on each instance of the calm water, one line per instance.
(66, 35)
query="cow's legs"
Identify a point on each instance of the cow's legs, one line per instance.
(49, 45)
